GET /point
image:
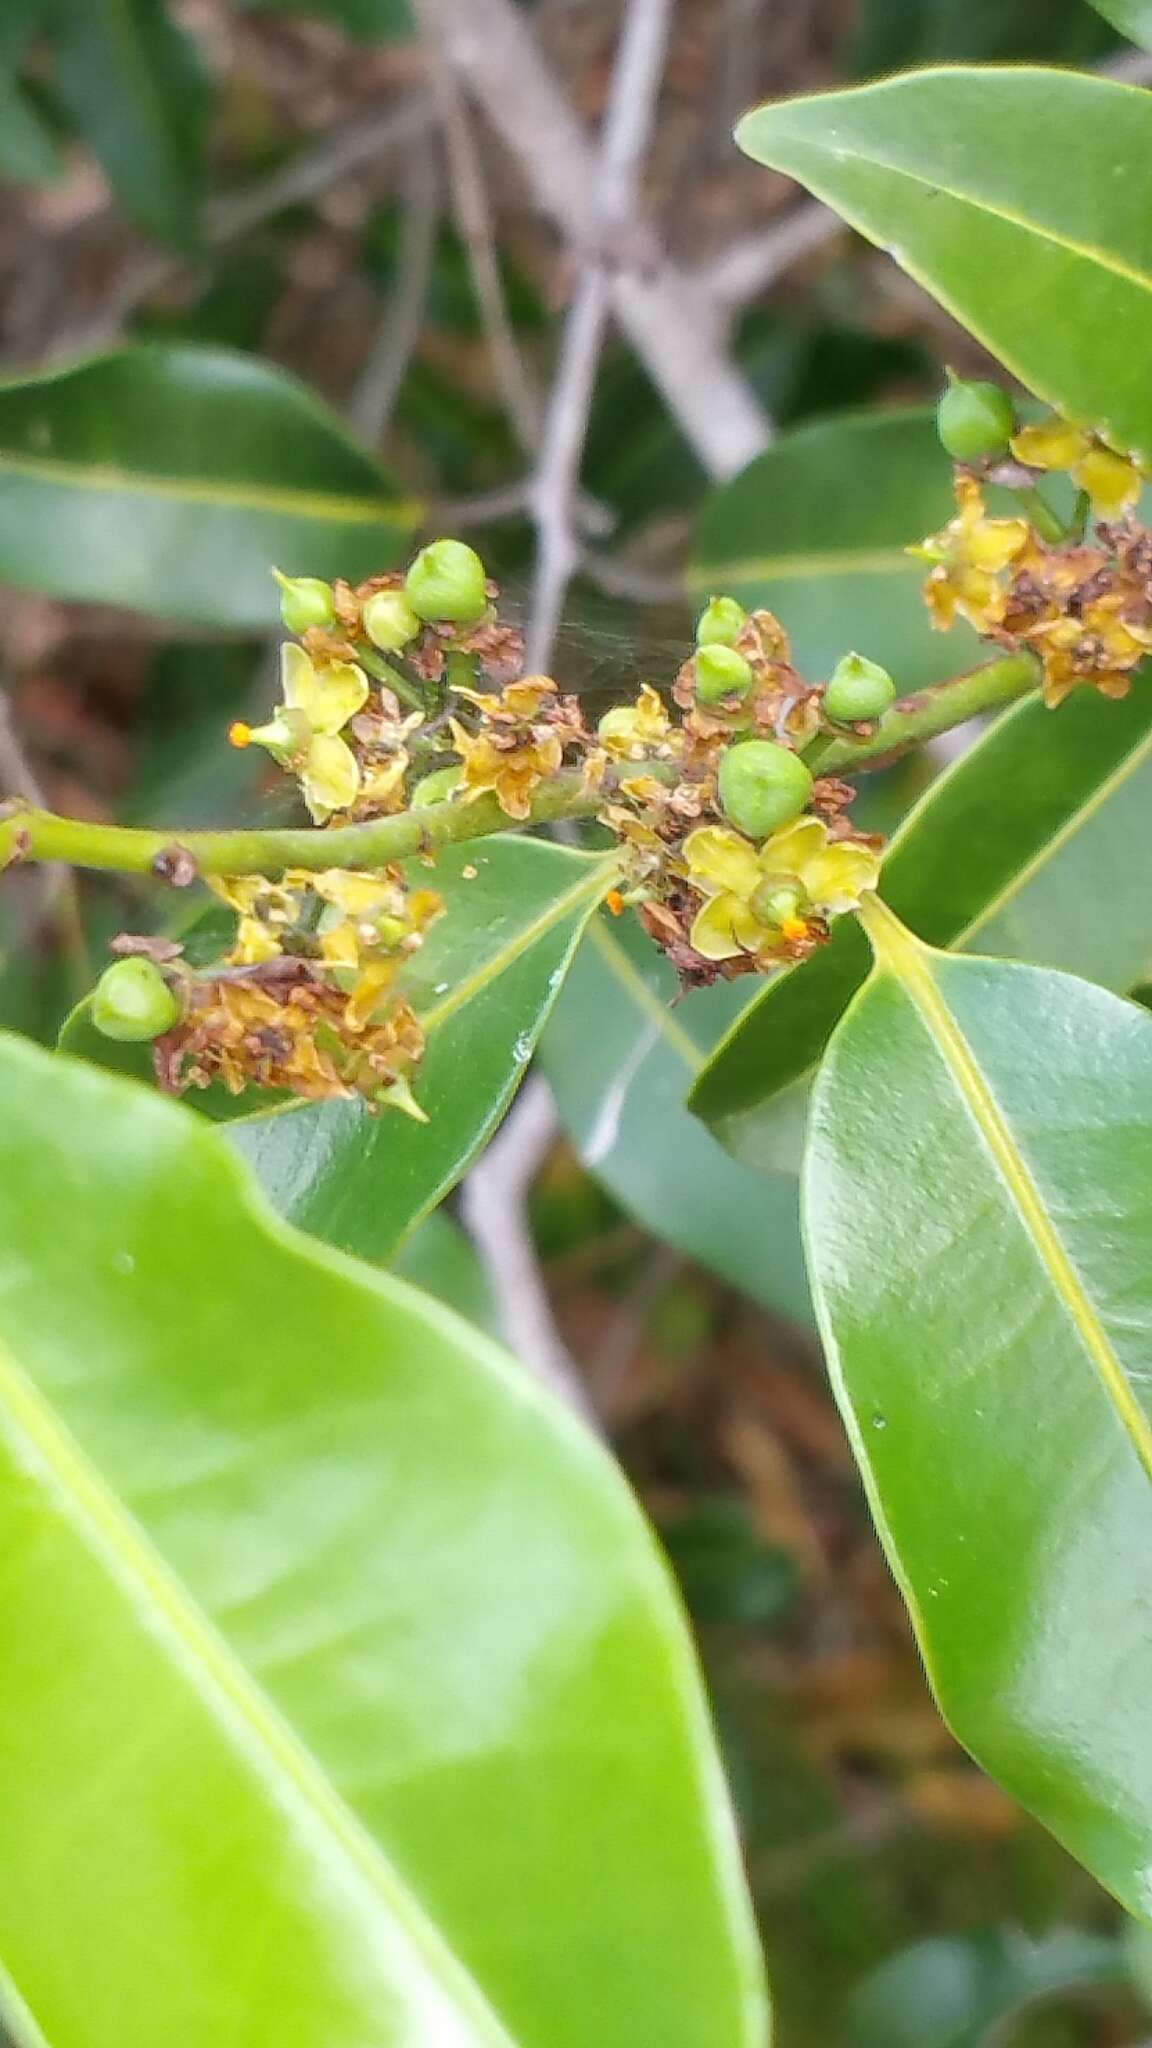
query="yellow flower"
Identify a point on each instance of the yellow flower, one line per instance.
(517, 704)
(1113, 482)
(304, 734)
(512, 770)
(631, 731)
(767, 900)
(969, 557)
(262, 907)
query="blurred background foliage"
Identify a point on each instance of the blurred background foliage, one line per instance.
(317, 330)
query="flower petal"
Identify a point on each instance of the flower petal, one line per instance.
(297, 677)
(720, 861)
(787, 851)
(341, 690)
(837, 878)
(331, 777)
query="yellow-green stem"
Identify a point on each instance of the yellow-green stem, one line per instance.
(930, 712)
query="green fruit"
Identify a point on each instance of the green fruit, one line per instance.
(720, 623)
(438, 786)
(721, 672)
(305, 601)
(762, 785)
(447, 581)
(975, 420)
(774, 902)
(858, 688)
(132, 1001)
(389, 620)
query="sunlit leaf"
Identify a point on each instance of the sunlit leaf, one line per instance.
(309, 1595)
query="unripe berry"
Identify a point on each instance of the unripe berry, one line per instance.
(775, 902)
(389, 620)
(305, 601)
(720, 623)
(132, 1001)
(762, 785)
(438, 786)
(975, 420)
(858, 688)
(721, 672)
(447, 581)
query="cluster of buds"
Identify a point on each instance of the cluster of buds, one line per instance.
(1081, 602)
(407, 691)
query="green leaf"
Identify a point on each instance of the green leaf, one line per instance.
(134, 87)
(369, 21)
(28, 148)
(483, 985)
(346, 1698)
(170, 479)
(965, 176)
(978, 1210)
(959, 1991)
(818, 529)
(1132, 17)
(895, 34)
(619, 1059)
(1032, 842)
(439, 1258)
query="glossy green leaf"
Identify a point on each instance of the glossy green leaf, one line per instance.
(169, 479)
(818, 529)
(967, 178)
(330, 1644)
(28, 148)
(978, 1211)
(894, 34)
(619, 1058)
(370, 21)
(1132, 17)
(483, 985)
(1030, 843)
(134, 86)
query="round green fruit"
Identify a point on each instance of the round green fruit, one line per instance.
(858, 689)
(721, 672)
(305, 601)
(720, 623)
(762, 785)
(132, 1001)
(389, 621)
(447, 581)
(975, 420)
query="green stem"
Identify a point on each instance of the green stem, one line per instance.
(1048, 524)
(928, 713)
(41, 835)
(27, 834)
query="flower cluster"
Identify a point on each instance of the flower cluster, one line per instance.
(1082, 605)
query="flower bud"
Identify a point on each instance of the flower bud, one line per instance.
(437, 787)
(858, 688)
(305, 601)
(721, 672)
(132, 1001)
(447, 581)
(762, 785)
(720, 623)
(389, 620)
(975, 420)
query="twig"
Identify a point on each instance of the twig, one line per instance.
(53, 890)
(634, 91)
(321, 164)
(478, 233)
(497, 58)
(493, 1205)
(753, 263)
(378, 385)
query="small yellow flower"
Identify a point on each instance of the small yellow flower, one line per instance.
(517, 704)
(1113, 482)
(765, 900)
(512, 771)
(304, 734)
(264, 909)
(632, 731)
(968, 558)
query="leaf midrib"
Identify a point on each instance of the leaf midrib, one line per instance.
(908, 962)
(106, 1528)
(303, 504)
